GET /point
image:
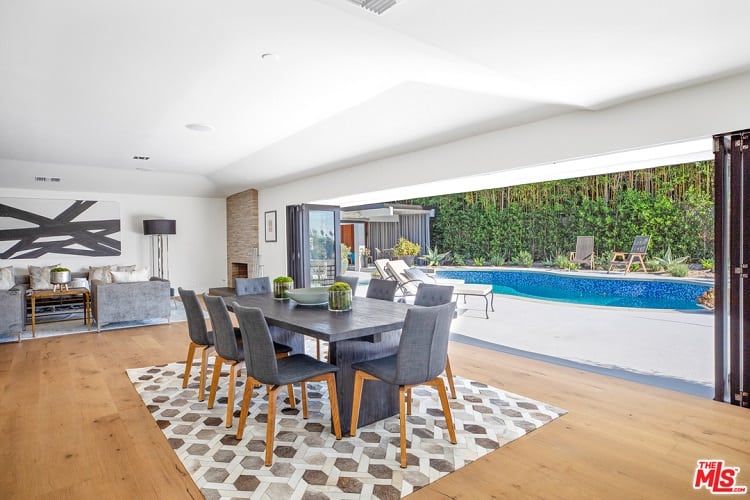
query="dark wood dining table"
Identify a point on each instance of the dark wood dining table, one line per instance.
(370, 330)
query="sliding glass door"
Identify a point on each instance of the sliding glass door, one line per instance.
(313, 244)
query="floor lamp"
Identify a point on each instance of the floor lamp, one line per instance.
(159, 229)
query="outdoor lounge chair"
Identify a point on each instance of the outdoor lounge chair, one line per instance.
(637, 251)
(380, 266)
(409, 278)
(584, 253)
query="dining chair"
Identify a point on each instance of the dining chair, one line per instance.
(352, 281)
(382, 289)
(228, 346)
(263, 367)
(200, 338)
(429, 295)
(252, 286)
(420, 360)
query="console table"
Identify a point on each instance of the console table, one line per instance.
(81, 294)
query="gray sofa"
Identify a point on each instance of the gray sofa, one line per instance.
(13, 310)
(115, 302)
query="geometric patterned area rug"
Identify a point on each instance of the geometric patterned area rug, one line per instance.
(308, 461)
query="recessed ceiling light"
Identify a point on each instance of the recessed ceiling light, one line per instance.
(200, 127)
(143, 169)
(269, 57)
(143, 158)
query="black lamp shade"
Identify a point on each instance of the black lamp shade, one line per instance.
(160, 226)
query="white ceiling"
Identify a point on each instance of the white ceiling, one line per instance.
(85, 85)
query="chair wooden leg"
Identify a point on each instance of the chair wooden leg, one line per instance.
(230, 394)
(215, 381)
(290, 390)
(330, 379)
(438, 384)
(189, 364)
(247, 395)
(202, 382)
(402, 422)
(303, 391)
(408, 401)
(270, 424)
(356, 399)
(317, 349)
(449, 374)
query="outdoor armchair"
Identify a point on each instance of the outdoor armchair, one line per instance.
(584, 252)
(637, 252)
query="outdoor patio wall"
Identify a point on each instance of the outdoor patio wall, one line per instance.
(197, 253)
(686, 114)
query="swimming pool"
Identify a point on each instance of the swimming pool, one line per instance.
(578, 289)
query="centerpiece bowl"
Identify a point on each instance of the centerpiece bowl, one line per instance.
(309, 296)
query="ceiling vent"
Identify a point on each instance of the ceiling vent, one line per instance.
(376, 6)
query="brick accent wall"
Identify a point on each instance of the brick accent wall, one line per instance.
(242, 234)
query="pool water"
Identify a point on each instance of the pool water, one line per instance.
(577, 289)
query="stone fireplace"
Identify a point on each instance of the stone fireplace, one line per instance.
(242, 236)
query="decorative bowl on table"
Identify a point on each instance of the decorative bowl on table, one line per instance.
(309, 296)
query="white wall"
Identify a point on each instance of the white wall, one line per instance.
(692, 113)
(197, 253)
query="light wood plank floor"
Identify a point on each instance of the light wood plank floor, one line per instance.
(72, 426)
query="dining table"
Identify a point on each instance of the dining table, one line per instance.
(370, 330)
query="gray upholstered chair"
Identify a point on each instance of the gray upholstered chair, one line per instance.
(382, 289)
(420, 360)
(429, 295)
(351, 280)
(200, 338)
(229, 350)
(263, 367)
(252, 286)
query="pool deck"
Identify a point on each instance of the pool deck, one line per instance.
(667, 348)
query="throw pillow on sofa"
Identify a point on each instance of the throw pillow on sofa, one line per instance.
(39, 277)
(129, 276)
(103, 273)
(7, 281)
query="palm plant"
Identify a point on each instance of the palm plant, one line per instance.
(435, 258)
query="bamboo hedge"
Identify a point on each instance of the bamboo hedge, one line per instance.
(673, 204)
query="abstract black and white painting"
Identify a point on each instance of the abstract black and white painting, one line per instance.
(30, 228)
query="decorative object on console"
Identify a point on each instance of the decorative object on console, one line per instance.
(59, 277)
(30, 228)
(159, 229)
(280, 286)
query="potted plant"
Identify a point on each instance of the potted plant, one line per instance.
(406, 250)
(59, 275)
(340, 297)
(281, 284)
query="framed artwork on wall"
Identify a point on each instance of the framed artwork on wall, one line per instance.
(31, 228)
(271, 225)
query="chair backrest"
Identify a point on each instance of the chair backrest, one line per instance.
(225, 341)
(252, 286)
(423, 348)
(382, 289)
(195, 319)
(584, 247)
(397, 269)
(351, 280)
(640, 244)
(380, 266)
(433, 295)
(257, 345)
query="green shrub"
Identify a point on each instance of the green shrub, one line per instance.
(523, 259)
(562, 262)
(653, 266)
(603, 260)
(458, 260)
(435, 258)
(708, 264)
(669, 260)
(478, 261)
(497, 260)
(282, 279)
(405, 247)
(678, 270)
